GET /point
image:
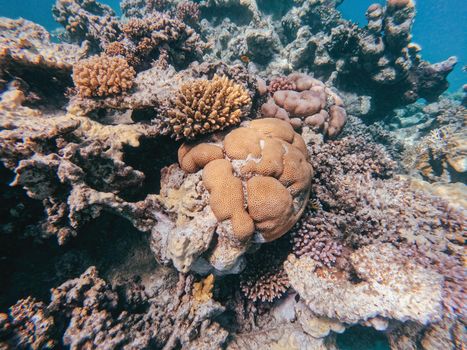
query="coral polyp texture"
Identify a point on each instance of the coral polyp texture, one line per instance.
(102, 76)
(305, 101)
(206, 106)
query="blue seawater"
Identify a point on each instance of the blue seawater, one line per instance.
(440, 26)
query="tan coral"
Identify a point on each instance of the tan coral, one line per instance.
(261, 184)
(204, 106)
(103, 76)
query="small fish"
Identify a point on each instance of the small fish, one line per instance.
(245, 59)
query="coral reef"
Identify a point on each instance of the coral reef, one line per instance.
(87, 312)
(239, 172)
(87, 20)
(303, 100)
(378, 61)
(102, 76)
(28, 55)
(148, 38)
(206, 106)
(211, 163)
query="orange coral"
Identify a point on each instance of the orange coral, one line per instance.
(103, 76)
(262, 182)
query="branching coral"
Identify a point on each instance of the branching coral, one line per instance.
(317, 236)
(303, 100)
(87, 20)
(205, 106)
(264, 278)
(103, 76)
(144, 39)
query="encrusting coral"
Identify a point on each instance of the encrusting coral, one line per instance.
(206, 106)
(305, 101)
(102, 76)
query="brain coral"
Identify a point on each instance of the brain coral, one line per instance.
(303, 100)
(203, 106)
(103, 76)
(258, 178)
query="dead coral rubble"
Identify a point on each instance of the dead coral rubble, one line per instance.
(206, 106)
(87, 20)
(27, 54)
(88, 312)
(103, 76)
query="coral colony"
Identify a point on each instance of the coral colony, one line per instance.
(228, 174)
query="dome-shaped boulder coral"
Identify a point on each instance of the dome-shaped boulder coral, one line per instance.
(205, 106)
(306, 101)
(103, 76)
(258, 177)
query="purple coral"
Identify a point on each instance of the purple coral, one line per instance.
(316, 236)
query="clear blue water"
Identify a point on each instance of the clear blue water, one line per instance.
(440, 26)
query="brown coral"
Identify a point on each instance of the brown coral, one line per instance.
(103, 76)
(264, 278)
(205, 106)
(268, 160)
(305, 101)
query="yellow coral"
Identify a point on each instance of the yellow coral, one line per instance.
(202, 291)
(103, 76)
(205, 106)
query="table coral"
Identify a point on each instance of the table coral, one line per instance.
(206, 106)
(303, 100)
(27, 54)
(102, 76)
(389, 285)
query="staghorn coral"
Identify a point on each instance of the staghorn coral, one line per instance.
(87, 20)
(206, 106)
(103, 76)
(303, 100)
(388, 283)
(188, 12)
(144, 39)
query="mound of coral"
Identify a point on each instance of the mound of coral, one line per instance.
(171, 181)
